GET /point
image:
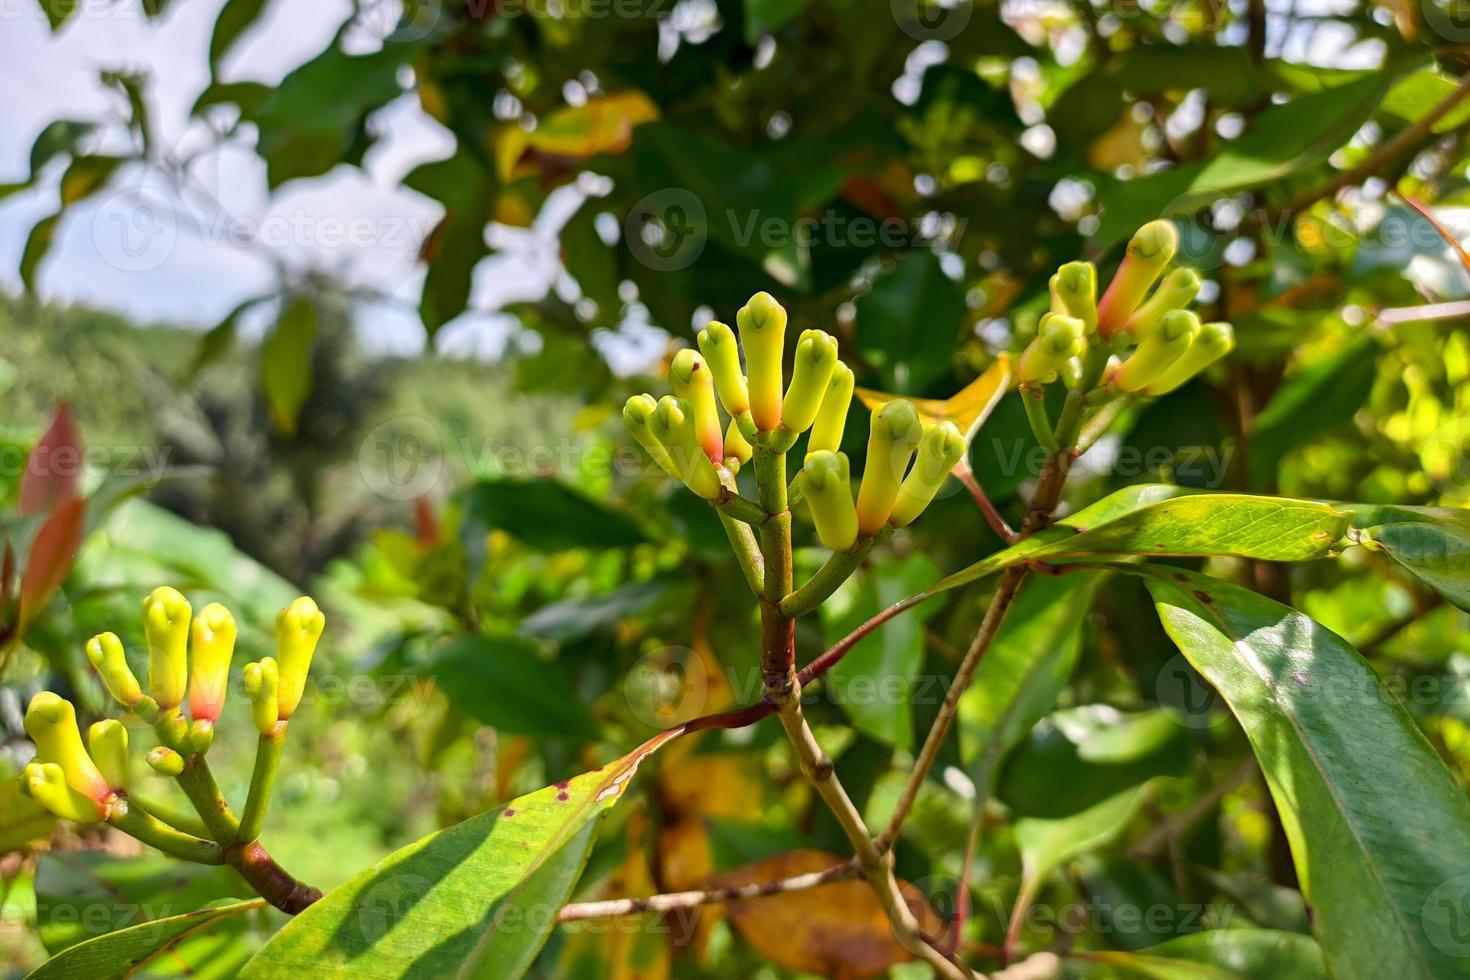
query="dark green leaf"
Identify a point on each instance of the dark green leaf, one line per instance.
(1379, 828)
(478, 899)
(909, 321)
(549, 515)
(502, 682)
(235, 18)
(573, 619)
(768, 16)
(38, 243)
(466, 188)
(1431, 542)
(285, 362)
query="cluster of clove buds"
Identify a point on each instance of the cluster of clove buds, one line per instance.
(188, 661)
(685, 435)
(1169, 343)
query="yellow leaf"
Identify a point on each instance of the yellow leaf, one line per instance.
(967, 408)
(603, 125)
(836, 930)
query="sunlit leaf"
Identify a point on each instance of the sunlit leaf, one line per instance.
(478, 899)
(1223, 954)
(1379, 829)
(122, 954)
(967, 408)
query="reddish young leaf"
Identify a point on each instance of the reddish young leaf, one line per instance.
(427, 528)
(53, 467)
(51, 557)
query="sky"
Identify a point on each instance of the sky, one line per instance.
(143, 251)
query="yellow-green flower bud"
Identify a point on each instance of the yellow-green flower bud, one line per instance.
(211, 646)
(262, 681)
(826, 484)
(816, 359)
(722, 353)
(166, 624)
(1152, 248)
(736, 445)
(1177, 291)
(45, 783)
(1173, 336)
(672, 425)
(941, 448)
(691, 380)
(105, 653)
(1076, 289)
(1213, 342)
(1059, 339)
(638, 417)
(165, 761)
(831, 417)
(200, 735)
(762, 323)
(51, 722)
(107, 743)
(298, 627)
(894, 434)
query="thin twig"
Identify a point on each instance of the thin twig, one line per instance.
(709, 896)
(1388, 152)
(966, 476)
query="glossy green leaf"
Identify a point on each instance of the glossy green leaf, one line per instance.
(1024, 670)
(502, 682)
(84, 894)
(285, 362)
(1431, 542)
(873, 683)
(128, 952)
(1379, 828)
(1224, 954)
(235, 18)
(476, 900)
(1168, 520)
(549, 515)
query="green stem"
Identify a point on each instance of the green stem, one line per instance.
(133, 820)
(262, 781)
(1035, 401)
(837, 569)
(747, 552)
(182, 819)
(778, 651)
(199, 786)
(732, 505)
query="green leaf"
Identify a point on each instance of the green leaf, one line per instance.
(187, 556)
(1024, 670)
(1284, 140)
(218, 339)
(1157, 519)
(572, 619)
(1223, 954)
(1312, 403)
(285, 362)
(502, 682)
(466, 188)
(57, 12)
(1431, 542)
(38, 243)
(769, 16)
(1078, 757)
(548, 515)
(1048, 844)
(874, 682)
(235, 18)
(908, 323)
(84, 894)
(476, 900)
(124, 953)
(1413, 96)
(1379, 828)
